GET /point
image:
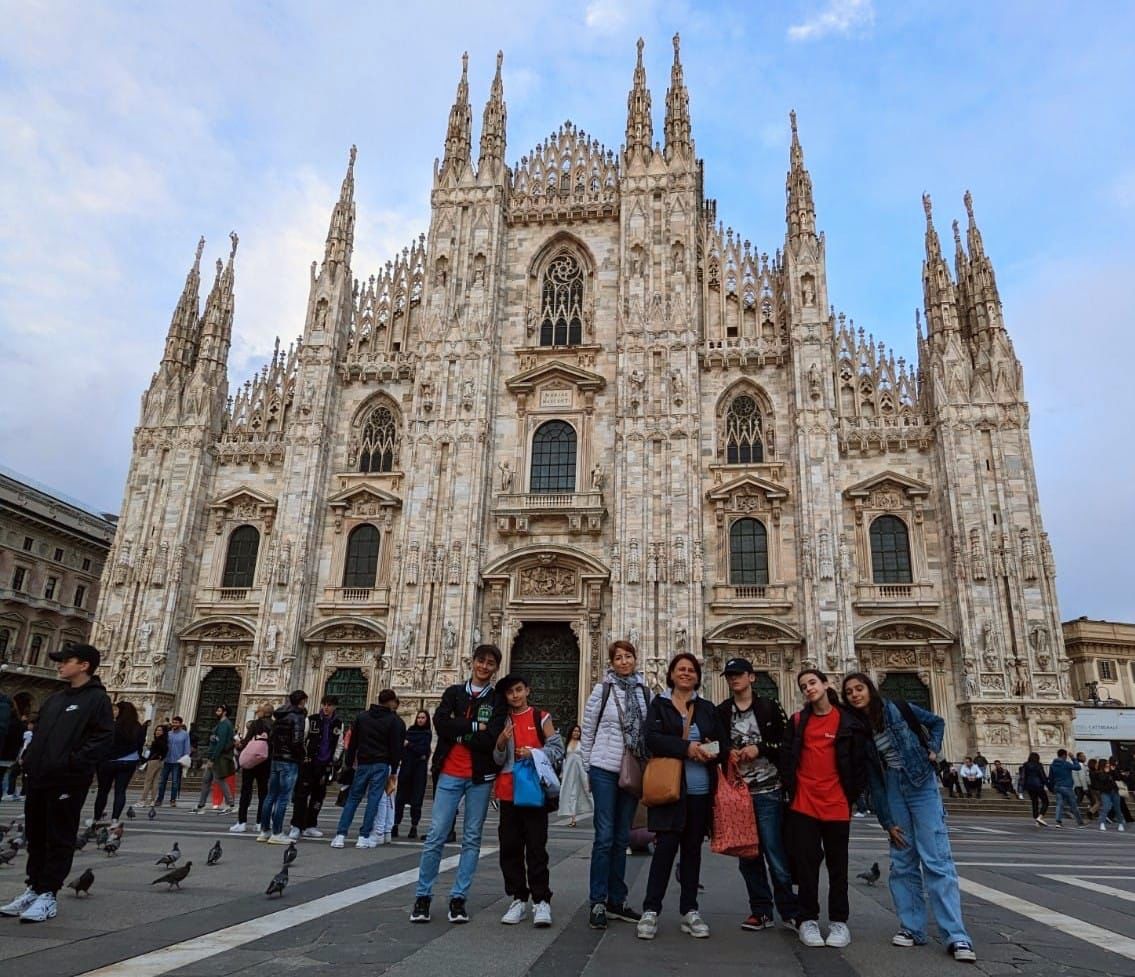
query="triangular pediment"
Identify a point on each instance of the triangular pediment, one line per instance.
(244, 495)
(555, 370)
(747, 484)
(910, 486)
(362, 493)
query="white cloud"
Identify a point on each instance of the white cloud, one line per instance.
(1123, 190)
(838, 17)
(606, 16)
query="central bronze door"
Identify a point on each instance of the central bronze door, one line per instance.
(547, 655)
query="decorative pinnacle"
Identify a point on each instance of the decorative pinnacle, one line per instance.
(928, 207)
(677, 44)
(500, 61)
(957, 235)
(641, 43)
(968, 199)
(792, 122)
(465, 66)
(200, 251)
(235, 240)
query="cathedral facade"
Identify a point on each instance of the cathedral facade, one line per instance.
(577, 409)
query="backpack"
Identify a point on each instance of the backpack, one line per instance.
(255, 752)
(912, 721)
(607, 695)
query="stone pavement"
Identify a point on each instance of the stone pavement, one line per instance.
(1039, 902)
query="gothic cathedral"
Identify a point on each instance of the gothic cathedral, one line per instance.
(580, 409)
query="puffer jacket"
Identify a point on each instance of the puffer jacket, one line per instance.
(602, 742)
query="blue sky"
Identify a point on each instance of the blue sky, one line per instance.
(129, 129)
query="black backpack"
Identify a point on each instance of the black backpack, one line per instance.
(912, 721)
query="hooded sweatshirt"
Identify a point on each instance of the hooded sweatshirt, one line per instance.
(74, 733)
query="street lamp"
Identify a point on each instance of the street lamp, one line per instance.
(1093, 692)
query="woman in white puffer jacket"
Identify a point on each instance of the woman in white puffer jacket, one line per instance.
(614, 720)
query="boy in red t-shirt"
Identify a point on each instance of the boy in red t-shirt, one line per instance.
(523, 831)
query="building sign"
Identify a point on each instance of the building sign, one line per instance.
(1104, 724)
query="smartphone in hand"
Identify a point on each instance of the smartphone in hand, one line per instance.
(712, 748)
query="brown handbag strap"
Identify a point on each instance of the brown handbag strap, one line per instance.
(689, 719)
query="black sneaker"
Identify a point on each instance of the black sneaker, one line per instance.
(421, 911)
(457, 911)
(394, 831)
(413, 832)
(623, 912)
(757, 921)
(598, 919)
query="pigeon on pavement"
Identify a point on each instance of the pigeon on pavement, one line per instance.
(152, 813)
(111, 847)
(278, 884)
(290, 854)
(82, 884)
(871, 876)
(130, 812)
(8, 854)
(174, 878)
(214, 854)
(102, 837)
(170, 857)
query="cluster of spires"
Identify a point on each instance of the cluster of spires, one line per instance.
(873, 365)
(382, 297)
(203, 338)
(261, 403)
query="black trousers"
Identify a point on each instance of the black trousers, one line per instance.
(51, 823)
(973, 788)
(411, 790)
(116, 775)
(667, 845)
(258, 775)
(813, 843)
(523, 834)
(311, 789)
(1039, 799)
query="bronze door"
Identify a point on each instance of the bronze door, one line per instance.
(908, 686)
(547, 655)
(220, 688)
(349, 686)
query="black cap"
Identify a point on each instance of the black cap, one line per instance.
(738, 666)
(83, 653)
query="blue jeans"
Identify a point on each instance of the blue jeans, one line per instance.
(169, 770)
(447, 797)
(926, 861)
(281, 783)
(769, 810)
(614, 813)
(367, 775)
(1067, 795)
(1109, 803)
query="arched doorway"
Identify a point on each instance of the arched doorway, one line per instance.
(906, 685)
(546, 653)
(765, 686)
(221, 687)
(349, 686)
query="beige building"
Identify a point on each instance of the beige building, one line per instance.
(1102, 654)
(580, 408)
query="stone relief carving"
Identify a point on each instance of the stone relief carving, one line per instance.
(548, 581)
(977, 556)
(633, 562)
(1028, 556)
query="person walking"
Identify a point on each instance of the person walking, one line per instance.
(1107, 789)
(902, 748)
(614, 726)
(825, 770)
(575, 792)
(1123, 782)
(1061, 778)
(1033, 782)
(177, 746)
(374, 752)
(683, 725)
(756, 728)
(468, 721)
(323, 731)
(125, 752)
(11, 736)
(1081, 778)
(154, 756)
(75, 733)
(285, 747)
(523, 830)
(413, 774)
(257, 775)
(218, 764)
(972, 776)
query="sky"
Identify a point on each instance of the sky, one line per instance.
(129, 129)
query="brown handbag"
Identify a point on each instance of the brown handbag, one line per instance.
(630, 766)
(662, 779)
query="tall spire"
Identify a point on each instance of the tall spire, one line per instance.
(981, 268)
(640, 129)
(937, 288)
(493, 126)
(341, 231)
(181, 340)
(800, 207)
(678, 138)
(217, 320)
(458, 137)
(962, 278)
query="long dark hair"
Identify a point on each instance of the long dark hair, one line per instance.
(832, 697)
(874, 703)
(127, 719)
(418, 715)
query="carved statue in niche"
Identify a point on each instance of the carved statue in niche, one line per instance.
(990, 653)
(468, 388)
(971, 688)
(455, 563)
(652, 563)
(405, 645)
(1046, 559)
(806, 558)
(808, 290)
(271, 636)
(506, 476)
(977, 556)
(449, 639)
(597, 477)
(1020, 677)
(1028, 556)
(1000, 566)
(827, 567)
(145, 631)
(678, 560)
(680, 638)
(844, 557)
(633, 562)
(1038, 638)
(161, 562)
(634, 636)
(815, 388)
(677, 382)
(1065, 681)
(479, 270)
(831, 645)
(412, 564)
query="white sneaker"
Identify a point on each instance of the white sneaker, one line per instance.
(515, 913)
(1103, 827)
(376, 839)
(1121, 826)
(386, 839)
(225, 809)
(312, 833)
(239, 828)
(839, 935)
(41, 910)
(365, 842)
(20, 903)
(294, 834)
(693, 924)
(338, 841)
(280, 839)
(810, 933)
(859, 814)
(264, 836)
(542, 915)
(647, 927)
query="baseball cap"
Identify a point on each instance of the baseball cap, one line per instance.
(84, 653)
(737, 666)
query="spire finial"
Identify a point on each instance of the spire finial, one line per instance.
(500, 61)
(928, 207)
(792, 122)
(678, 139)
(640, 45)
(465, 66)
(677, 45)
(640, 130)
(200, 251)
(957, 236)
(967, 198)
(235, 241)
(458, 134)
(801, 209)
(493, 125)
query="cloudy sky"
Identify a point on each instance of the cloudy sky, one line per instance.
(129, 129)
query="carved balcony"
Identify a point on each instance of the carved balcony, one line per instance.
(889, 598)
(372, 599)
(771, 598)
(228, 600)
(578, 512)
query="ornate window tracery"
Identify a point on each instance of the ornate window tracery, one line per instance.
(561, 302)
(553, 458)
(890, 551)
(379, 448)
(748, 553)
(744, 444)
(240, 560)
(361, 567)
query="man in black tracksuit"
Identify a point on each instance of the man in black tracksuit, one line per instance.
(323, 731)
(74, 733)
(374, 753)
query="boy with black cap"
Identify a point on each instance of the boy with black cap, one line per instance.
(757, 729)
(468, 721)
(74, 733)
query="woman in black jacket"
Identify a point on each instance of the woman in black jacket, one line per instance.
(683, 824)
(413, 773)
(260, 726)
(155, 757)
(126, 752)
(1034, 780)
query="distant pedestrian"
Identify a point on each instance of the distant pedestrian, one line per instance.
(324, 729)
(1001, 779)
(413, 774)
(177, 747)
(285, 746)
(256, 775)
(575, 792)
(154, 756)
(972, 775)
(1060, 778)
(125, 753)
(373, 755)
(218, 764)
(951, 781)
(1105, 785)
(1033, 782)
(1082, 778)
(1124, 780)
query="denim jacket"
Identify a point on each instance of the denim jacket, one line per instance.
(917, 769)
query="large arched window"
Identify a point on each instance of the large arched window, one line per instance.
(553, 458)
(379, 449)
(748, 553)
(561, 302)
(362, 557)
(240, 561)
(743, 442)
(890, 551)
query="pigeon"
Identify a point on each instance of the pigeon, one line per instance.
(871, 876)
(130, 812)
(153, 813)
(290, 854)
(174, 878)
(278, 884)
(82, 885)
(111, 847)
(7, 855)
(170, 857)
(118, 831)
(214, 854)
(102, 837)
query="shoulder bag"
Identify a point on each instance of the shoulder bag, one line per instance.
(630, 766)
(662, 779)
